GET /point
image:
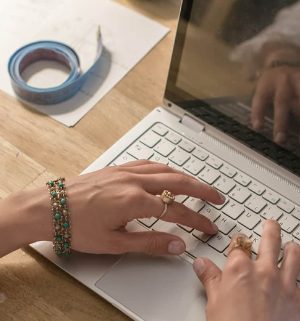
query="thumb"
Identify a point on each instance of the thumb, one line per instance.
(153, 243)
(209, 274)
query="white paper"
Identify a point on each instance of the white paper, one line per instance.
(127, 38)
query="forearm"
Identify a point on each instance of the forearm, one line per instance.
(24, 218)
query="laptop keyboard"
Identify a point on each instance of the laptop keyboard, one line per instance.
(248, 202)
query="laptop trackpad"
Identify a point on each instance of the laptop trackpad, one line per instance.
(155, 289)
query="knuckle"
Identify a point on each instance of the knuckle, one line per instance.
(239, 264)
(183, 179)
(152, 244)
(268, 274)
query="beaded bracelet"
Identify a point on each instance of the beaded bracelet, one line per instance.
(60, 217)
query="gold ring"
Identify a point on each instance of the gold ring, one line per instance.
(243, 243)
(167, 197)
(164, 212)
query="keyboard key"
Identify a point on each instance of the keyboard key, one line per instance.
(240, 194)
(214, 162)
(210, 212)
(220, 206)
(200, 153)
(140, 151)
(288, 223)
(206, 251)
(194, 204)
(224, 184)
(243, 179)
(179, 156)
(150, 139)
(296, 233)
(255, 244)
(159, 159)
(164, 148)
(228, 170)
(187, 145)
(225, 224)
(219, 242)
(296, 213)
(257, 188)
(201, 236)
(271, 196)
(194, 166)
(186, 228)
(239, 229)
(209, 175)
(271, 212)
(148, 221)
(233, 209)
(124, 158)
(285, 238)
(173, 137)
(180, 198)
(160, 129)
(249, 219)
(255, 204)
(285, 205)
(258, 229)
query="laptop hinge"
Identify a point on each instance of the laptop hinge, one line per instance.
(192, 123)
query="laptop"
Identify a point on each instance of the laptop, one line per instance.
(200, 129)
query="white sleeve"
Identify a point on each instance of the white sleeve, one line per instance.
(286, 27)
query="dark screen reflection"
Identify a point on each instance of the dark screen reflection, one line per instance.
(243, 58)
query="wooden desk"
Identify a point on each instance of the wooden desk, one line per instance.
(35, 289)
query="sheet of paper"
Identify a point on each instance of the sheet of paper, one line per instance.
(127, 38)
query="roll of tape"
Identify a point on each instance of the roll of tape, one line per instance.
(55, 51)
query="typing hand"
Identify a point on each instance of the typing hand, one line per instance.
(278, 87)
(103, 202)
(254, 289)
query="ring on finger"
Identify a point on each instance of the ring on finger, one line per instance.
(242, 243)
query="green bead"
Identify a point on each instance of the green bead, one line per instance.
(51, 183)
(58, 238)
(53, 194)
(61, 184)
(66, 225)
(63, 201)
(66, 245)
(57, 216)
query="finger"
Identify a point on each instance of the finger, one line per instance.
(261, 101)
(151, 242)
(281, 114)
(270, 242)
(152, 168)
(209, 274)
(290, 268)
(180, 214)
(180, 185)
(136, 163)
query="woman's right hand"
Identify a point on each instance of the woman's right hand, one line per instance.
(249, 290)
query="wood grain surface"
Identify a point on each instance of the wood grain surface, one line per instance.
(34, 147)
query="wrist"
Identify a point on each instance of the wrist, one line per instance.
(280, 54)
(25, 218)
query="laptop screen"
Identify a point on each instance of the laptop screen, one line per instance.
(236, 65)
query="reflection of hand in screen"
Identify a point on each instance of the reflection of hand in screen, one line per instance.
(278, 87)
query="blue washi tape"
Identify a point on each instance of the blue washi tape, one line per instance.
(49, 50)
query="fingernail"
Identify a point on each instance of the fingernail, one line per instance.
(257, 124)
(222, 197)
(280, 138)
(176, 247)
(199, 266)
